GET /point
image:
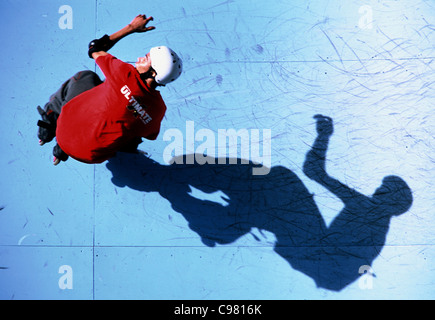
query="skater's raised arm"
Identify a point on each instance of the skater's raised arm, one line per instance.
(99, 47)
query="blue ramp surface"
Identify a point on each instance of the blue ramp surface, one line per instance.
(295, 160)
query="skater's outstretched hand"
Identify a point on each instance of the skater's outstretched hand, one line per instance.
(139, 23)
(324, 125)
(99, 47)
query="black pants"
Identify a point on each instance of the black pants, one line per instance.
(82, 81)
(79, 83)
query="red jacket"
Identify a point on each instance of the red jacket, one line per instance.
(93, 126)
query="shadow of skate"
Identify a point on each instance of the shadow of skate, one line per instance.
(277, 202)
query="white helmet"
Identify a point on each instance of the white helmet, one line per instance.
(166, 63)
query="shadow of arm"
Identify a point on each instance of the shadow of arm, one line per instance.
(314, 166)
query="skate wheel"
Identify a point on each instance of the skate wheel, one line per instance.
(56, 161)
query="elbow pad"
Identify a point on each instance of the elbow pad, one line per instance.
(102, 44)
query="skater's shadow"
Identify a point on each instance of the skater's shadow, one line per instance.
(277, 202)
